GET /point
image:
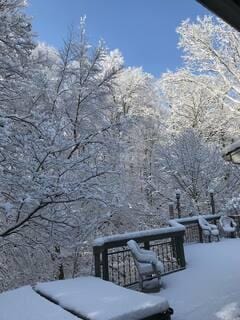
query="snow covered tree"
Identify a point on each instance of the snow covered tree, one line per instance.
(56, 147)
(211, 47)
(188, 163)
(195, 103)
(139, 109)
(15, 47)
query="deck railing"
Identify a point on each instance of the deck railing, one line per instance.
(193, 232)
(114, 262)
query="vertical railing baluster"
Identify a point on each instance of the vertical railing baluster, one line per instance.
(118, 267)
(130, 267)
(124, 269)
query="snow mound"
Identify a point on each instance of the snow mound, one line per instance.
(230, 312)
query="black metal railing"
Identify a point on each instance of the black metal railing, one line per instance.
(193, 232)
(114, 262)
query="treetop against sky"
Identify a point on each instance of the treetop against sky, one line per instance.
(144, 31)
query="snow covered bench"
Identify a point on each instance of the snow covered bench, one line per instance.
(95, 299)
(26, 304)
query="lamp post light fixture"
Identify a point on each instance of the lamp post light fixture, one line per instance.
(232, 152)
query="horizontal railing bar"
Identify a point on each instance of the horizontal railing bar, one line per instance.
(116, 252)
(159, 244)
(194, 219)
(123, 242)
(127, 250)
(120, 240)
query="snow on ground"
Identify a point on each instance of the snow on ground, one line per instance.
(209, 288)
(97, 299)
(25, 304)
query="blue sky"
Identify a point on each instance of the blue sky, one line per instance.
(143, 30)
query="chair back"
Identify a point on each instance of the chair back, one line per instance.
(203, 222)
(227, 222)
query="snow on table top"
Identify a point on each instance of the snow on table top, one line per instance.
(25, 304)
(209, 288)
(97, 299)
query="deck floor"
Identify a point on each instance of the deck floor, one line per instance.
(209, 288)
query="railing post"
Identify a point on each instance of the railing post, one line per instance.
(200, 234)
(180, 251)
(97, 262)
(105, 264)
(171, 211)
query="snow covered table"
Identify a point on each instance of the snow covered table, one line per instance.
(25, 304)
(96, 299)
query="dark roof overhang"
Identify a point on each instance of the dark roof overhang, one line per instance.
(228, 10)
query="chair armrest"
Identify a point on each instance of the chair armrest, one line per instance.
(145, 258)
(149, 252)
(234, 224)
(213, 226)
(206, 228)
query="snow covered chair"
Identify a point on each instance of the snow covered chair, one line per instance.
(228, 225)
(148, 266)
(208, 229)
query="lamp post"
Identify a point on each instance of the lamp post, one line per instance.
(212, 203)
(178, 195)
(171, 210)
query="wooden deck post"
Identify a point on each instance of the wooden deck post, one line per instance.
(97, 262)
(105, 264)
(180, 251)
(200, 234)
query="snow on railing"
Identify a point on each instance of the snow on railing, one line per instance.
(193, 232)
(113, 260)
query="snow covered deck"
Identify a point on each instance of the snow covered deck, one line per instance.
(209, 287)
